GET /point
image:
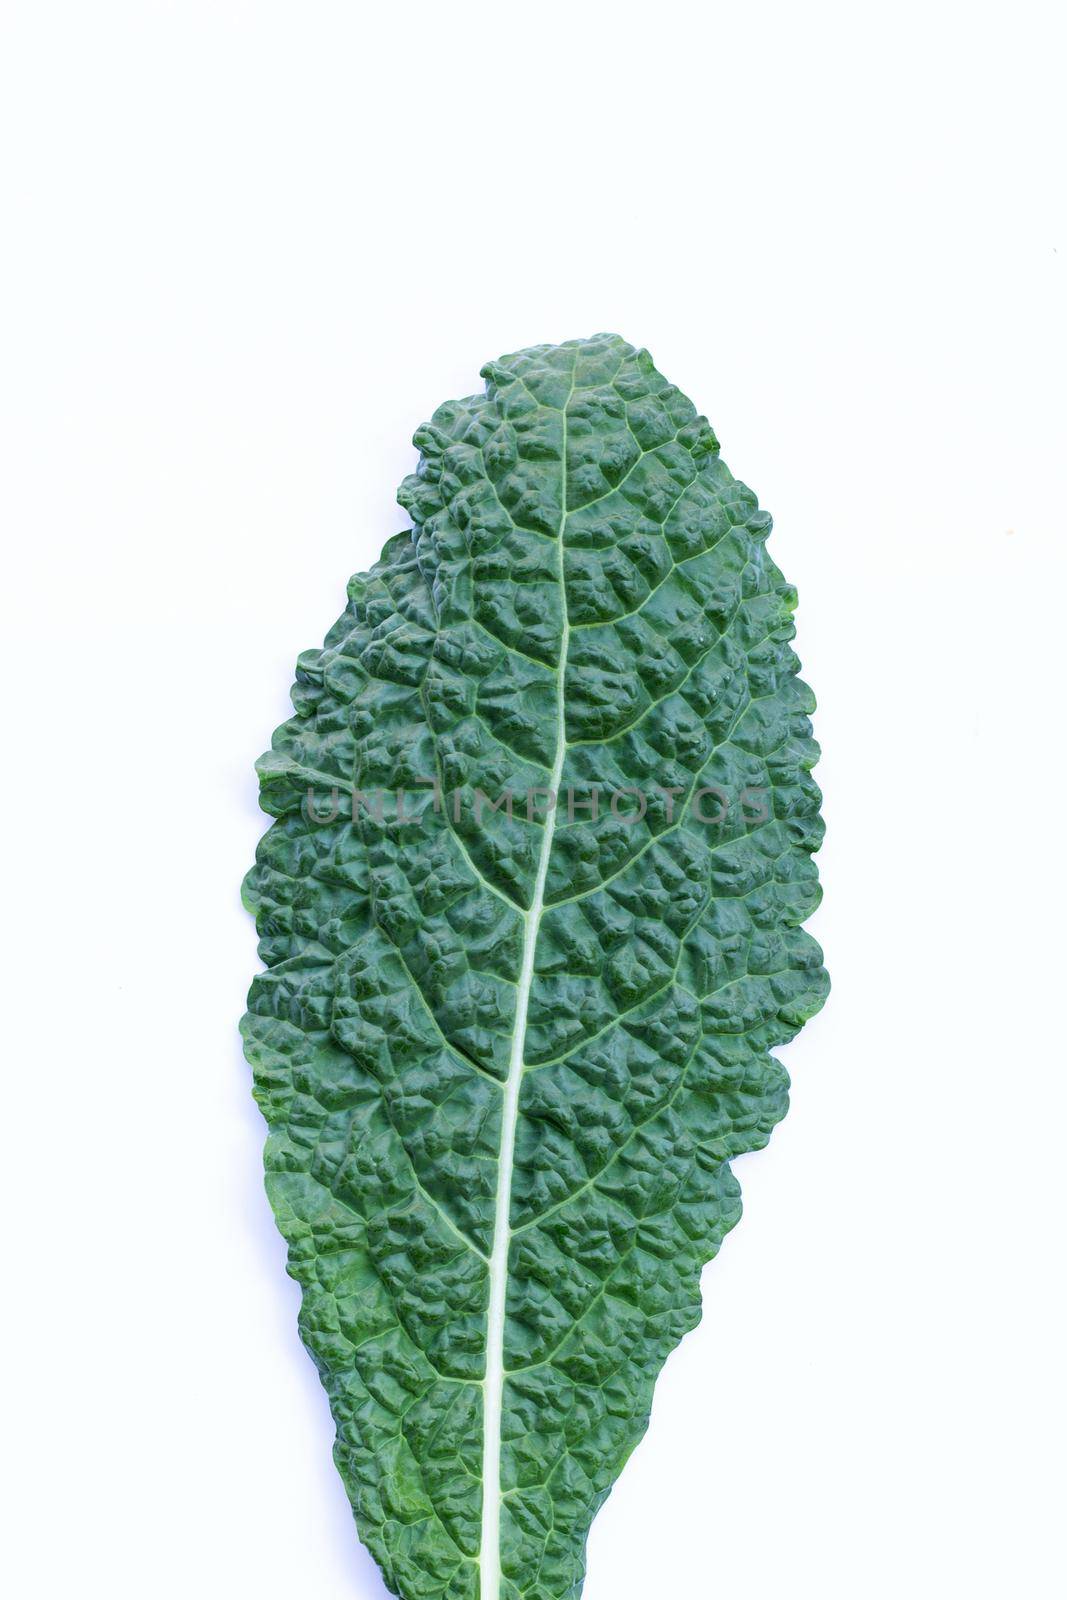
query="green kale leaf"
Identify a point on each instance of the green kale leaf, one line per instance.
(530, 912)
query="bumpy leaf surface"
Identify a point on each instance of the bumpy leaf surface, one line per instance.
(506, 1059)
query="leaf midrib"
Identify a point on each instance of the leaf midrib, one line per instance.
(493, 1383)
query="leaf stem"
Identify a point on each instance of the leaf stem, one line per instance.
(493, 1387)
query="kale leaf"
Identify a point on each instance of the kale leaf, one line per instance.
(530, 913)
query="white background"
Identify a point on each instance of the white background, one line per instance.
(249, 248)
